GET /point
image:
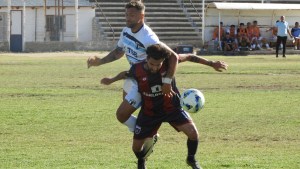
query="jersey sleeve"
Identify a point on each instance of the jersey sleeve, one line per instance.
(120, 44)
(152, 40)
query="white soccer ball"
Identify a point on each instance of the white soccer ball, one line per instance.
(192, 100)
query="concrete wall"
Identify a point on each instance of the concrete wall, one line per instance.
(67, 46)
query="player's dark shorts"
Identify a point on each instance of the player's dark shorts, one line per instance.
(147, 126)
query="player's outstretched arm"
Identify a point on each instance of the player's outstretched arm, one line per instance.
(112, 56)
(173, 62)
(108, 81)
(217, 65)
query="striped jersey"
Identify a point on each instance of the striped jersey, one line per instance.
(150, 87)
(135, 44)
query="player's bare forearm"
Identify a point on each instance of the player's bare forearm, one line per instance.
(120, 76)
(217, 65)
(173, 61)
(112, 56)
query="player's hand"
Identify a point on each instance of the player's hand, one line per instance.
(93, 61)
(167, 90)
(106, 81)
(219, 66)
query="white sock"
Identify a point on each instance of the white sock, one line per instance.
(130, 123)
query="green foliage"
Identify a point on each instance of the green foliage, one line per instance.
(55, 114)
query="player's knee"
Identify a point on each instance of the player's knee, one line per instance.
(136, 147)
(193, 134)
(121, 116)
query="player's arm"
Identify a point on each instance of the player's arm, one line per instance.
(120, 76)
(112, 56)
(217, 65)
(173, 62)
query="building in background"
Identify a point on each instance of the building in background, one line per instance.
(37, 25)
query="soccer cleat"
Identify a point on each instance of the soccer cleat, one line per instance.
(141, 164)
(194, 164)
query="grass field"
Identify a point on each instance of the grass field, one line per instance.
(55, 114)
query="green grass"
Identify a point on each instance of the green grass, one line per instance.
(55, 114)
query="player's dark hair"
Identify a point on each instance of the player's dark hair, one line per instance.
(157, 52)
(136, 4)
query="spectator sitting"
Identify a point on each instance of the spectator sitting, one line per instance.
(256, 37)
(216, 32)
(243, 39)
(244, 44)
(273, 38)
(228, 44)
(264, 43)
(232, 32)
(296, 35)
(216, 35)
(249, 31)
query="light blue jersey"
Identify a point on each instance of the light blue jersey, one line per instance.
(135, 44)
(282, 28)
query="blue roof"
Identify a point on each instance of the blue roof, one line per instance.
(32, 3)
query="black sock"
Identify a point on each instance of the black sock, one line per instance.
(192, 149)
(140, 155)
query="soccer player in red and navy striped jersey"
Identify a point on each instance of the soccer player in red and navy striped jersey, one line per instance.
(157, 107)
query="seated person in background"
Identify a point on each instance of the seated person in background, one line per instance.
(244, 44)
(273, 38)
(264, 44)
(216, 34)
(296, 35)
(243, 39)
(232, 32)
(256, 37)
(228, 43)
(249, 31)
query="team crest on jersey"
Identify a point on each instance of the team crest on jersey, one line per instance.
(132, 102)
(137, 129)
(138, 45)
(144, 78)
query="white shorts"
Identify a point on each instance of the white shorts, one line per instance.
(132, 94)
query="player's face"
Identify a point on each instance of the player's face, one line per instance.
(282, 18)
(154, 65)
(133, 18)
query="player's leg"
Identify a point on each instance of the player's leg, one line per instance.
(142, 135)
(191, 132)
(131, 102)
(124, 115)
(284, 39)
(181, 121)
(278, 42)
(137, 148)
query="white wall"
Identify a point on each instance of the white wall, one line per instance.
(35, 23)
(264, 18)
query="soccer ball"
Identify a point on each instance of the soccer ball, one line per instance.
(192, 100)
